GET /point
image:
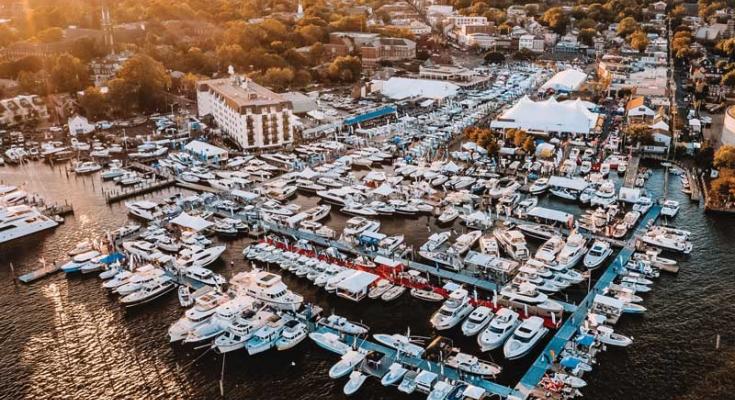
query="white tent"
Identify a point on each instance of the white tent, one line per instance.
(578, 184)
(193, 223)
(405, 88)
(308, 173)
(569, 80)
(384, 190)
(548, 116)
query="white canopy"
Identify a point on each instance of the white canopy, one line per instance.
(357, 282)
(194, 223)
(549, 214)
(548, 116)
(578, 184)
(244, 195)
(569, 80)
(404, 88)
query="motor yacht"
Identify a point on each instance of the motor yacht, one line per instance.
(524, 338)
(205, 276)
(572, 252)
(266, 336)
(356, 380)
(294, 332)
(393, 293)
(513, 243)
(465, 241)
(20, 221)
(341, 324)
(499, 329)
(448, 215)
(471, 364)
(456, 308)
(224, 316)
(539, 186)
(204, 307)
(564, 193)
(478, 319)
(666, 240)
(670, 208)
(268, 288)
(538, 231)
(330, 341)
(400, 343)
(356, 225)
(395, 374)
(144, 209)
(597, 254)
(199, 256)
(435, 241)
(79, 261)
(86, 167)
(149, 292)
(524, 293)
(318, 213)
(346, 364)
(489, 246)
(550, 249)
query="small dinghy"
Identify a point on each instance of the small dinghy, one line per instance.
(395, 373)
(426, 295)
(357, 378)
(606, 335)
(185, 297)
(393, 293)
(346, 364)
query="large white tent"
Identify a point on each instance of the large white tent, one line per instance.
(405, 88)
(569, 80)
(548, 116)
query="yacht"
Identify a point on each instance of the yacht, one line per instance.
(20, 221)
(318, 213)
(539, 186)
(199, 256)
(294, 332)
(395, 374)
(456, 308)
(564, 193)
(524, 338)
(598, 253)
(537, 231)
(489, 246)
(448, 215)
(572, 252)
(667, 240)
(354, 208)
(670, 208)
(478, 319)
(149, 292)
(266, 337)
(605, 195)
(87, 167)
(356, 225)
(330, 341)
(471, 364)
(144, 209)
(140, 278)
(400, 343)
(513, 242)
(204, 307)
(241, 329)
(267, 288)
(341, 324)
(435, 241)
(225, 314)
(499, 329)
(465, 241)
(524, 293)
(550, 249)
(205, 276)
(79, 261)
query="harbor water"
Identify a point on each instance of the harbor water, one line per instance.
(68, 338)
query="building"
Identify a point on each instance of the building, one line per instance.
(459, 20)
(549, 117)
(21, 109)
(372, 47)
(637, 111)
(406, 88)
(728, 127)
(531, 42)
(79, 125)
(445, 72)
(249, 114)
(206, 152)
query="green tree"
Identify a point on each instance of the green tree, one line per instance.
(627, 25)
(556, 19)
(146, 81)
(68, 74)
(93, 103)
(587, 36)
(639, 134)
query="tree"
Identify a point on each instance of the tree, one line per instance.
(146, 80)
(529, 145)
(345, 69)
(725, 157)
(587, 36)
(524, 54)
(556, 19)
(68, 74)
(728, 79)
(705, 158)
(639, 134)
(50, 35)
(639, 40)
(93, 103)
(626, 26)
(494, 57)
(278, 78)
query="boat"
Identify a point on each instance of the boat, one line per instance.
(550, 249)
(144, 209)
(499, 329)
(395, 373)
(150, 291)
(489, 246)
(318, 213)
(79, 261)
(380, 287)
(237, 332)
(666, 240)
(465, 241)
(569, 380)
(572, 252)
(524, 338)
(341, 324)
(330, 341)
(597, 254)
(400, 343)
(268, 288)
(441, 390)
(605, 334)
(21, 221)
(266, 336)
(426, 295)
(448, 215)
(670, 208)
(199, 256)
(356, 380)
(478, 319)
(185, 298)
(356, 225)
(538, 231)
(539, 186)
(204, 275)
(471, 364)
(204, 307)
(408, 383)
(86, 167)
(455, 308)
(346, 364)
(393, 293)
(435, 241)
(358, 209)
(524, 293)
(513, 243)
(294, 332)
(564, 193)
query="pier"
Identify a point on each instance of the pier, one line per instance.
(632, 172)
(443, 371)
(147, 187)
(195, 187)
(571, 327)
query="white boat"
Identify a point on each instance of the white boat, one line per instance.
(573, 251)
(395, 374)
(204, 307)
(542, 232)
(294, 332)
(318, 213)
(199, 256)
(150, 291)
(525, 293)
(550, 249)
(204, 275)
(539, 186)
(471, 364)
(346, 364)
(400, 343)
(393, 293)
(597, 254)
(20, 221)
(356, 225)
(455, 308)
(605, 334)
(408, 383)
(441, 391)
(524, 338)
(478, 319)
(666, 240)
(87, 167)
(489, 246)
(426, 295)
(435, 241)
(356, 380)
(465, 241)
(237, 332)
(448, 215)
(79, 261)
(265, 337)
(185, 298)
(358, 209)
(330, 341)
(225, 316)
(670, 208)
(564, 193)
(499, 329)
(341, 324)
(380, 287)
(268, 288)
(513, 243)
(144, 209)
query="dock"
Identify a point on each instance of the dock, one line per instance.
(148, 187)
(571, 327)
(39, 273)
(195, 187)
(61, 210)
(632, 172)
(444, 371)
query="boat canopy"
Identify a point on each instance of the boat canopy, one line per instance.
(112, 258)
(474, 392)
(191, 222)
(550, 214)
(585, 340)
(387, 262)
(384, 190)
(609, 301)
(244, 195)
(577, 184)
(358, 282)
(308, 173)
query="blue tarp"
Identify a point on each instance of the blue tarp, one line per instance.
(111, 258)
(570, 362)
(370, 115)
(586, 340)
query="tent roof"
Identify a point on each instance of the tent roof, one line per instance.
(360, 280)
(569, 80)
(577, 184)
(403, 88)
(450, 167)
(207, 149)
(548, 115)
(191, 222)
(548, 213)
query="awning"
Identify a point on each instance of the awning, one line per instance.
(550, 214)
(357, 282)
(191, 222)
(577, 184)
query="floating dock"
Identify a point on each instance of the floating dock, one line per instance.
(37, 274)
(115, 196)
(632, 172)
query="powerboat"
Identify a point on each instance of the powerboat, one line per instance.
(456, 308)
(426, 295)
(441, 391)
(20, 221)
(227, 313)
(393, 293)
(670, 208)
(573, 251)
(400, 343)
(205, 276)
(605, 334)
(513, 243)
(597, 254)
(266, 336)
(149, 292)
(435, 241)
(294, 332)
(341, 324)
(87, 167)
(79, 261)
(330, 341)
(199, 256)
(204, 307)
(356, 225)
(537, 231)
(489, 246)
(550, 249)
(564, 193)
(356, 380)
(499, 329)
(144, 209)
(267, 288)
(395, 374)
(346, 364)
(524, 338)
(539, 186)
(408, 383)
(380, 287)
(524, 293)
(465, 241)
(471, 364)
(477, 320)
(448, 215)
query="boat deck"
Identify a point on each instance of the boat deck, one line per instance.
(570, 328)
(442, 370)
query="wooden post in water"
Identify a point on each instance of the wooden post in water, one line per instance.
(12, 270)
(222, 377)
(717, 341)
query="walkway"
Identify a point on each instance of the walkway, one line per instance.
(570, 328)
(632, 172)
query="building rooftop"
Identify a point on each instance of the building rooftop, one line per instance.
(239, 92)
